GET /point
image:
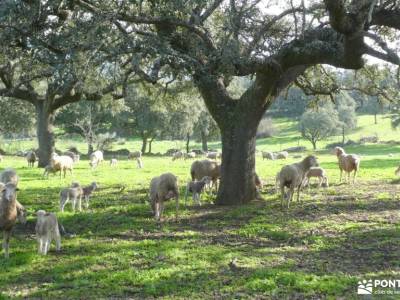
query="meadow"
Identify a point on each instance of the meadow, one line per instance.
(320, 248)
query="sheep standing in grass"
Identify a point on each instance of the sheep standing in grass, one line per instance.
(196, 188)
(96, 158)
(60, 164)
(267, 155)
(163, 188)
(292, 177)
(139, 163)
(73, 193)
(31, 158)
(189, 155)
(47, 230)
(347, 163)
(281, 155)
(87, 191)
(8, 213)
(177, 155)
(319, 173)
(135, 154)
(201, 168)
(113, 162)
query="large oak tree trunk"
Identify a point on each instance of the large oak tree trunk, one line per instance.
(45, 134)
(238, 164)
(187, 142)
(144, 144)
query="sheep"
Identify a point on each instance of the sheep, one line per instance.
(8, 213)
(177, 155)
(196, 188)
(87, 192)
(46, 230)
(277, 181)
(59, 163)
(292, 176)
(319, 173)
(9, 175)
(75, 157)
(31, 158)
(201, 168)
(75, 193)
(267, 155)
(139, 163)
(347, 163)
(213, 155)
(135, 154)
(189, 155)
(163, 188)
(113, 162)
(96, 158)
(281, 155)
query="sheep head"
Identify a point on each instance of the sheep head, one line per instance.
(310, 161)
(9, 191)
(339, 151)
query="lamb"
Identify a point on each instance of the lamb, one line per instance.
(74, 193)
(319, 173)
(87, 192)
(189, 155)
(135, 154)
(213, 155)
(177, 155)
(196, 188)
(163, 188)
(292, 176)
(31, 158)
(47, 230)
(281, 155)
(8, 213)
(139, 163)
(59, 163)
(267, 155)
(347, 163)
(201, 168)
(96, 158)
(113, 162)
(9, 175)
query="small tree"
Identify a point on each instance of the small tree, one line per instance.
(318, 125)
(346, 107)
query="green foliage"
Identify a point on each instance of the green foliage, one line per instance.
(16, 117)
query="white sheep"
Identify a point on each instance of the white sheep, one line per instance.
(31, 158)
(73, 193)
(113, 162)
(139, 163)
(213, 155)
(189, 155)
(134, 154)
(292, 176)
(46, 230)
(347, 163)
(96, 158)
(163, 188)
(177, 155)
(281, 155)
(201, 168)
(60, 164)
(87, 191)
(196, 188)
(267, 155)
(9, 175)
(319, 173)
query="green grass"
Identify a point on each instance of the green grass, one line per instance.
(319, 249)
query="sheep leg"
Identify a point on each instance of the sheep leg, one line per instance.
(282, 195)
(80, 203)
(176, 208)
(354, 176)
(57, 238)
(199, 198)
(186, 193)
(320, 180)
(73, 204)
(290, 198)
(63, 201)
(87, 202)
(298, 193)
(39, 241)
(340, 179)
(6, 242)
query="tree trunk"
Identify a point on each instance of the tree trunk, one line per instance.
(150, 143)
(45, 134)
(375, 118)
(343, 137)
(144, 144)
(187, 142)
(204, 145)
(314, 144)
(90, 147)
(238, 164)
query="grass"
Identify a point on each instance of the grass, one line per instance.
(318, 249)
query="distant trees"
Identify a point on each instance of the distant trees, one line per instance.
(16, 116)
(346, 108)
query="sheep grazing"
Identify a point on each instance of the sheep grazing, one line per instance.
(267, 155)
(87, 192)
(113, 162)
(96, 158)
(177, 155)
(201, 168)
(31, 158)
(139, 163)
(60, 164)
(189, 155)
(196, 188)
(347, 163)
(47, 230)
(75, 157)
(213, 155)
(9, 175)
(281, 155)
(319, 173)
(163, 188)
(75, 193)
(8, 213)
(135, 154)
(292, 176)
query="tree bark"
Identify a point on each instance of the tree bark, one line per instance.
(238, 165)
(45, 134)
(314, 144)
(343, 137)
(150, 143)
(187, 142)
(375, 118)
(144, 143)
(204, 145)
(90, 147)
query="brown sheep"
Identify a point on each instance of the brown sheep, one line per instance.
(201, 168)
(347, 163)
(31, 158)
